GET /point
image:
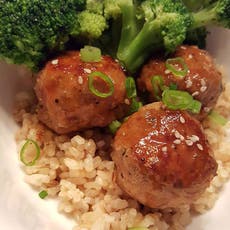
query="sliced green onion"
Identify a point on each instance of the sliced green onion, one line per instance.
(157, 85)
(132, 94)
(43, 194)
(135, 106)
(180, 100)
(114, 126)
(24, 149)
(195, 106)
(90, 54)
(105, 78)
(173, 86)
(217, 118)
(130, 86)
(172, 65)
(175, 99)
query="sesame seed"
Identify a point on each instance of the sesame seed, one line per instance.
(203, 88)
(177, 134)
(200, 147)
(194, 138)
(183, 47)
(188, 83)
(182, 120)
(202, 82)
(190, 56)
(177, 141)
(207, 109)
(196, 75)
(55, 62)
(164, 149)
(80, 80)
(167, 71)
(195, 93)
(189, 142)
(127, 101)
(87, 71)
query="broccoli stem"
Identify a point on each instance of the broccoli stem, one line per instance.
(204, 17)
(194, 5)
(149, 38)
(129, 26)
(115, 28)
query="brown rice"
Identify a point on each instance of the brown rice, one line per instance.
(79, 173)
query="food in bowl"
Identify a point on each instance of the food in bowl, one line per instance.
(88, 108)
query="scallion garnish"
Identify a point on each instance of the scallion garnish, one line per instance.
(90, 54)
(114, 126)
(25, 153)
(157, 85)
(217, 118)
(105, 78)
(43, 194)
(177, 66)
(195, 106)
(180, 100)
(173, 86)
(130, 86)
(135, 106)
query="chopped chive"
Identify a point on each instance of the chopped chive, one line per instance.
(135, 106)
(130, 86)
(174, 64)
(157, 85)
(90, 54)
(114, 126)
(105, 78)
(43, 194)
(173, 86)
(23, 152)
(217, 118)
(195, 106)
(180, 100)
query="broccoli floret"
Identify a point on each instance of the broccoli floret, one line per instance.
(95, 6)
(91, 25)
(194, 5)
(145, 11)
(130, 30)
(31, 30)
(111, 9)
(151, 25)
(165, 28)
(217, 13)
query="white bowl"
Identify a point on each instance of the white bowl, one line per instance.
(22, 209)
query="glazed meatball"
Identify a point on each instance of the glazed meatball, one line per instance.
(66, 102)
(202, 81)
(162, 158)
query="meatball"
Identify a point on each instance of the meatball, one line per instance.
(66, 102)
(162, 158)
(202, 81)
